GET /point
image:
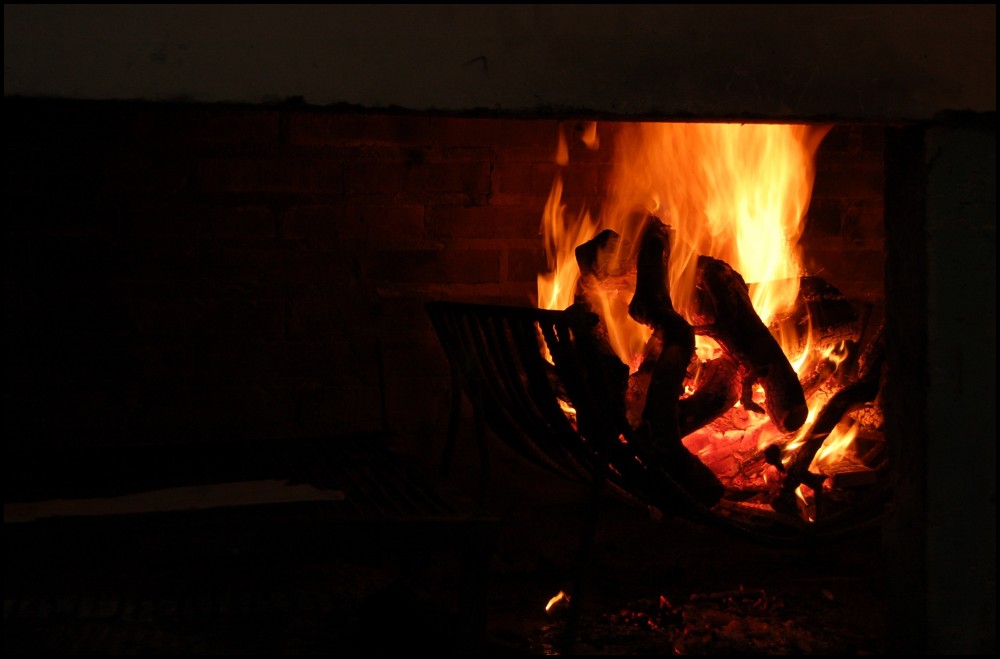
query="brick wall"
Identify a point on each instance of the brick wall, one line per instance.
(180, 272)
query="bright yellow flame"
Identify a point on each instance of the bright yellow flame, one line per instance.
(557, 287)
(735, 192)
(838, 445)
(803, 501)
(560, 597)
(706, 347)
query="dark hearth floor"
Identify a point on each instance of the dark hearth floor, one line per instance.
(655, 587)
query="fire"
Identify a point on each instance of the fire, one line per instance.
(561, 235)
(838, 445)
(735, 192)
(558, 600)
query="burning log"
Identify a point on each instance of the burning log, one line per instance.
(603, 267)
(863, 390)
(669, 351)
(719, 386)
(821, 317)
(726, 314)
(604, 258)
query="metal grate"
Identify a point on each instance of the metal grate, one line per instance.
(497, 357)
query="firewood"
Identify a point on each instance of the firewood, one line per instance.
(725, 313)
(651, 304)
(718, 387)
(821, 317)
(605, 256)
(671, 348)
(604, 264)
(863, 390)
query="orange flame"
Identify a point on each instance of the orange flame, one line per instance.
(736, 192)
(557, 288)
(559, 598)
(838, 445)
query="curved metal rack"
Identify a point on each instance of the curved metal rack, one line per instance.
(498, 359)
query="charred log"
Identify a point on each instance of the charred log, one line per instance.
(821, 318)
(746, 397)
(718, 387)
(671, 349)
(863, 390)
(605, 256)
(602, 264)
(651, 304)
(725, 313)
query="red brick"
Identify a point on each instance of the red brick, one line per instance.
(318, 223)
(858, 274)
(433, 266)
(524, 265)
(291, 175)
(364, 225)
(585, 180)
(497, 133)
(447, 222)
(860, 226)
(205, 128)
(390, 224)
(873, 140)
(350, 130)
(458, 177)
(525, 178)
(840, 139)
(850, 181)
(823, 220)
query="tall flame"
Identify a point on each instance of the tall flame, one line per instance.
(735, 192)
(561, 235)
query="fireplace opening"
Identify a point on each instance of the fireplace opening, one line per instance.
(181, 274)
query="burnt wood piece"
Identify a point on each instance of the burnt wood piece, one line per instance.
(607, 274)
(614, 371)
(603, 266)
(821, 373)
(669, 352)
(746, 396)
(605, 256)
(821, 318)
(863, 390)
(724, 312)
(719, 386)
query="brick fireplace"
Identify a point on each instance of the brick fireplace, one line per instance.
(251, 262)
